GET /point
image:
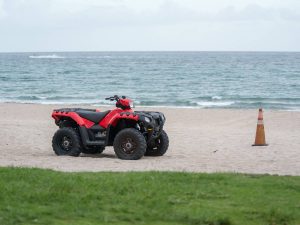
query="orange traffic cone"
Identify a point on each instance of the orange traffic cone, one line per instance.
(260, 139)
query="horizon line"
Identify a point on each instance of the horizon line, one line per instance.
(157, 51)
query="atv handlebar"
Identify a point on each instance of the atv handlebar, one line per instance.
(115, 98)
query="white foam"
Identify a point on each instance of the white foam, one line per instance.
(214, 104)
(99, 57)
(46, 57)
(216, 97)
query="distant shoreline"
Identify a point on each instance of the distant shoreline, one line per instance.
(156, 51)
(146, 106)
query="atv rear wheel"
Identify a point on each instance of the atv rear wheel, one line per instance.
(93, 150)
(159, 146)
(66, 141)
(130, 144)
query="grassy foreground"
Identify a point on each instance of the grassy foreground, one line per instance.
(35, 196)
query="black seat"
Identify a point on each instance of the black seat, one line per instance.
(96, 117)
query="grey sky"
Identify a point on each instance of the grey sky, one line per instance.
(104, 25)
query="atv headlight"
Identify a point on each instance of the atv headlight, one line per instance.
(147, 119)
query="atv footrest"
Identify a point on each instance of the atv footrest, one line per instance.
(85, 138)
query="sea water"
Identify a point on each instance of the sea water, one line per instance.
(176, 79)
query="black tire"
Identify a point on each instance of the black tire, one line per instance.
(93, 150)
(159, 146)
(66, 141)
(130, 144)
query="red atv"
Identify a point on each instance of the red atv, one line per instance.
(132, 133)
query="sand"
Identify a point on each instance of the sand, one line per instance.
(201, 140)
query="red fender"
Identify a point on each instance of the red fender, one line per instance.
(74, 116)
(111, 118)
(115, 115)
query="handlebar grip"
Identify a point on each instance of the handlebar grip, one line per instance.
(112, 98)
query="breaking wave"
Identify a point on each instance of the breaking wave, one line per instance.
(46, 57)
(214, 104)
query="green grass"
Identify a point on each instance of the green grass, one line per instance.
(35, 196)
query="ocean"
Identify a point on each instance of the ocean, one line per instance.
(174, 79)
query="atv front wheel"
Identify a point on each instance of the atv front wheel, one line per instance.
(66, 141)
(159, 146)
(130, 144)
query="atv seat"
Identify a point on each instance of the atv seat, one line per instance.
(95, 117)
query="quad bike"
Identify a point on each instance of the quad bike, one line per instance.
(133, 134)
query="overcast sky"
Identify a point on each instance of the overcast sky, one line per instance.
(137, 25)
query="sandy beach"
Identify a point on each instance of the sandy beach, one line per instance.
(201, 140)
